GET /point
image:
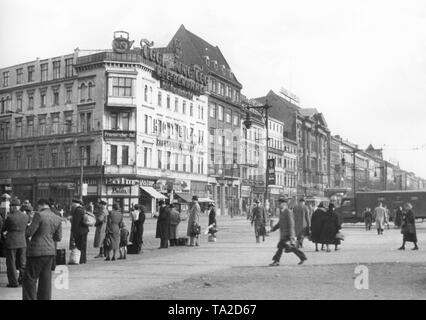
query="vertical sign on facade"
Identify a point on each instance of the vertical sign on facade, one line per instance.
(271, 172)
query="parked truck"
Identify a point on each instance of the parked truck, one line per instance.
(351, 209)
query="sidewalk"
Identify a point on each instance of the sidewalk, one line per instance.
(235, 247)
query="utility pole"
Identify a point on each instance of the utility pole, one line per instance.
(81, 174)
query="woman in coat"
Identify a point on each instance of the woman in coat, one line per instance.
(212, 222)
(101, 214)
(163, 225)
(174, 222)
(114, 224)
(317, 222)
(137, 238)
(408, 228)
(194, 222)
(331, 227)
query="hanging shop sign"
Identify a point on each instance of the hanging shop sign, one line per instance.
(121, 181)
(271, 171)
(245, 191)
(114, 134)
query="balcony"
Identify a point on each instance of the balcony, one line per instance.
(121, 102)
(120, 169)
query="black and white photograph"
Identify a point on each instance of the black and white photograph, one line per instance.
(224, 151)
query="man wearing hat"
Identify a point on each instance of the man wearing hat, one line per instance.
(16, 244)
(101, 214)
(301, 222)
(287, 235)
(163, 225)
(194, 223)
(259, 221)
(79, 230)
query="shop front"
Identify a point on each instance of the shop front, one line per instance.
(274, 193)
(5, 186)
(23, 188)
(123, 191)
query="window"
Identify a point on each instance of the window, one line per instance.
(145, 157)
(55, 123)
(44, 70)
(168, 102)
(30, 126)
(202, 113)
(176, 162)
(42, 99)
(145, 93)
(236, 120)
(3, 106)
(83, 92)
(85, 121)
(19, 103)
(212, 110)
(68, 122)
(169, 156)
(125, 121)
(228, 116)
(56, 98)
(184, 107)
(191, 164)
(18, 128)
(220, 113)
(56, 69)
(184, 163)
(176, 104)
(30, 101)
(146, 124)
(5, 78)
(19, 75)
(122, 87)
(68, 67)
(31, 73)
(90, 92)
(159, 99)
(42, 125)
(18, 159)
(160, 155)
(113, 155)
(41, 158)
(68, 95)
(191, 110)
(29, 162)
(67, 156)
(54, 157)
(85, 154)
(125, 155)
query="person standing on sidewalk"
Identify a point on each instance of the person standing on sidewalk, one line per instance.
(212, 222)
(287, 235)
(16, 244)
(101, 214)
(301, 222)
(317, 223)
(45, 230)
(194, 228)
(368, 219)
(79, 230)
(380, 217)
(258, 219)
(163, 225)
(408, 228)
(137, 238)
(174, 223)
(114, 224)
(398, 217)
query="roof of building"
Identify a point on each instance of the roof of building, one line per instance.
(194, 48)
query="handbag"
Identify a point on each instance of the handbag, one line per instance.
(89, 219)
(340, 236)
(107, 242)
(74, 256)
(195, 230)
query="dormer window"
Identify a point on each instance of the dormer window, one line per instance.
(215, 64)
(207, 60)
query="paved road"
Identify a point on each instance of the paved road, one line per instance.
(156, 272)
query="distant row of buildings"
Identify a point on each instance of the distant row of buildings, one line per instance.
(138, 123)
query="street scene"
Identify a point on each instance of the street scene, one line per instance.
(213, 155)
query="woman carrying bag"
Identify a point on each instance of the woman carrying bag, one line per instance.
(408, 228)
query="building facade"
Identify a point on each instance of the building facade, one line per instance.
(224, 118)
(135, 129)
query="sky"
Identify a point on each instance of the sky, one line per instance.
(361, 63)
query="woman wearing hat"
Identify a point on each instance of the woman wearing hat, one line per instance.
(331, 227)
(212, 223)
(408, 227)
(193, 231)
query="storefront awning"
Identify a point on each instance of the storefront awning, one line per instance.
(186, 197)
(153, 193)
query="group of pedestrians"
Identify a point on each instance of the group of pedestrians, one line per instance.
(30, 238)
(169, 219)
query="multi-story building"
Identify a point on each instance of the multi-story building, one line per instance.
(224, 117)
(290, 168)
(309, 129)
(133, 122)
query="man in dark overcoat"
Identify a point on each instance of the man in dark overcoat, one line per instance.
(15, 243)
(79, 230)
(259, 221)
(163, 225)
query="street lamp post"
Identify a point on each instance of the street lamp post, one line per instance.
(263, 109)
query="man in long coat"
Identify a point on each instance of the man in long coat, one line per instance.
(79, 230)
(194, 221)
(301, 221)
(174, 222)
(380, 217)
(101, 214)
(163, 225)
(16, 244)
(287, 235)
(259, 220)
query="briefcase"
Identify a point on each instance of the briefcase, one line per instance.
(61, 257)
(182, 241)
